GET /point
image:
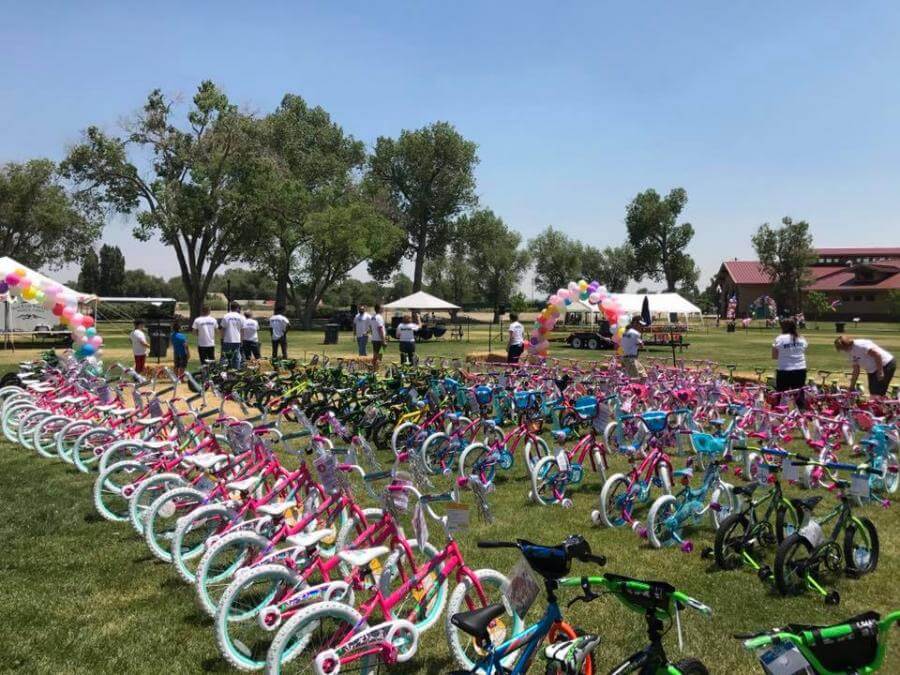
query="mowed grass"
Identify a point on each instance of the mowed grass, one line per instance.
(80, 594)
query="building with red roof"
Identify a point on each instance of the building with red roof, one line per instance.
(857, 280)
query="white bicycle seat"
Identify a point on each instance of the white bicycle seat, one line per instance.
(242, 485)
(205, 460)
(310, 539)
(362, 556)
(276, 509)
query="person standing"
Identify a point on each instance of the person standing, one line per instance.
(361, 327)
(631, 343)
(180, 350)
(232, 325)
(878, 363)
(516, 343)
(250, 337)
(406, 336)
(279, 324)
(379, 335)
(205, 327)
(789, 349)
(139, 345)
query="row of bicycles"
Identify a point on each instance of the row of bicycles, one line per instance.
(289, 513)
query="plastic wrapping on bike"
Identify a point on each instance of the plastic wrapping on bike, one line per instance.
(849, 652)
(657, 597)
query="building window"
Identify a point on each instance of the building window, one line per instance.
(870, 297)
(857, 298)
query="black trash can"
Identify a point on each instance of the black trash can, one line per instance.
(159, 342)
(839, 326)
(729, 328)
(331, 333)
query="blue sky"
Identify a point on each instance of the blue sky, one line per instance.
(758, 110)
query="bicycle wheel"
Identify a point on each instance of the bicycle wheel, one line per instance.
(192, 533)
(730, 541)
(790, 564)
(109, 499)
(480, 461)
(861, 547)
(312, 631)
(787, 521)
(12, 415)
(662, 526)
(437, 455)
(162, 517)
(27, 425)
(691, 667)
(221, 562)
(403, 437)
(536, 448)
(545, 481)
(88, 445)
(423, 604)
(44, 434)
(464, 647)
(68, 436)
(146, 492)
(615, 502)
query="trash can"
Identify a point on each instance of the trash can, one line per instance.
(839, 326)
(331, 333)
(159, 342)
(729, 328)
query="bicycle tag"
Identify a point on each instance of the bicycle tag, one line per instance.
(400, 498)
(326, 466)
(523, 588)
(420, 526)
(503, 381)
(562, 459)
(790, 471)
(762, 474)
(601, 419)
(859, 485)
(457, 518)
(783, 658)
(813, 533)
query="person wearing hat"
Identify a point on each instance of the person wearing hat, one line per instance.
(631, 343)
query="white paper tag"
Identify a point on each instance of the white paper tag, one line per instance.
(562, 459)
(326, 466)
(784, 658)
(813, 533)
(457, 518)
(420, 526)
(790, 471)
(401, 497)
(523, 588)
(859, 485)
(762, 473)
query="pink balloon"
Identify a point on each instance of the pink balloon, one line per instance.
(25, 283)
(68, 312)
(12, 279)
(96, 341)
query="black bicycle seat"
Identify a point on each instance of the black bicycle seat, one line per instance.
(477, 621)
(807, 503)
(746, 490)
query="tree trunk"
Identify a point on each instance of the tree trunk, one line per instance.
(281, 288)
(419, 268)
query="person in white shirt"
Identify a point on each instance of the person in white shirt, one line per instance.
(232, 325)
(789, 349)
(406, 336)
(878, 363)
(279, 323)
(361, 327)
(139, 346)
(204, 328)
(515, 345)
(379, 335)
(631, 343)
(250, 337)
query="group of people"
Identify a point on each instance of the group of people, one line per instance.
(371, 328)
(239, 332)
(789, 351)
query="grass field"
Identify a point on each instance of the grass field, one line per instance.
(80, 595)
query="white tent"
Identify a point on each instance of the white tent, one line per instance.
(7, 265)
(422, 300)
(660, 303)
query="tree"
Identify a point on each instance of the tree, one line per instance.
(352, 291)
(112, 271)
(451, 276)
(42, 224)
(89, 276)
(785, 253)
(400, 286)
(338, 239)
(612, 266)
(893, 303)
(245, 284)
(557, 260)
(424, 179)
(657, 241)
(138, 284)
(200, 194)
(817, 305)
(309, 166)
(518, 303)
(493, 254)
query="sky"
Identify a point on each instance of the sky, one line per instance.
(759, 110)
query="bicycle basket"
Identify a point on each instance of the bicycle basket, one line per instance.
(523, 400)
(484, 395)
(655, 420)
(586, 407)
(845, 653)
(708, 444)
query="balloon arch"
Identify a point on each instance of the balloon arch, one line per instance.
(557, 305)
(86, 341)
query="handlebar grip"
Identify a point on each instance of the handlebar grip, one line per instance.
(497, 544)
(597, 559)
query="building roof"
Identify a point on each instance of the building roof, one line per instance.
(746, 272)
(869, 251)
(846, 280)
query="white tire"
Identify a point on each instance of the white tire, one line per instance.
(609, 519)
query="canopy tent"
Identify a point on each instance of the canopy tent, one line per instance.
(424, 301)
(660, 303)
(8, 265)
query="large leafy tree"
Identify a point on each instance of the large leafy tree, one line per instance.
(42, 224)
(112, 271)
(424, 180)
(198, 192)
(451, 276)
(494, 255)
(557, 260)
(786, 253)
(89, 276)
(338, 239)
(657, 240)
(611, 266)
(308, 164)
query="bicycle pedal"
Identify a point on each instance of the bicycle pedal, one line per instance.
(708, 553)
(764, 573)
(833, 598)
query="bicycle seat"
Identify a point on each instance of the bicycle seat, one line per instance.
(362, 556)
(205, 460)
(276, 509)
(106, 408)
(685, 472)
(242, 485)
(156, 445)
(745, 490)
(310, 539)
(477, 621)
(122, 412)
(452, 416)
(148, 421)
(807, 503)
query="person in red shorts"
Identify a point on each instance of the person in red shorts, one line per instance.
(139, 346)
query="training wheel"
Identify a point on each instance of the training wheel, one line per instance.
(595, 517)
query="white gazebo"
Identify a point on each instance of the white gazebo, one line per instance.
(422, 301)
